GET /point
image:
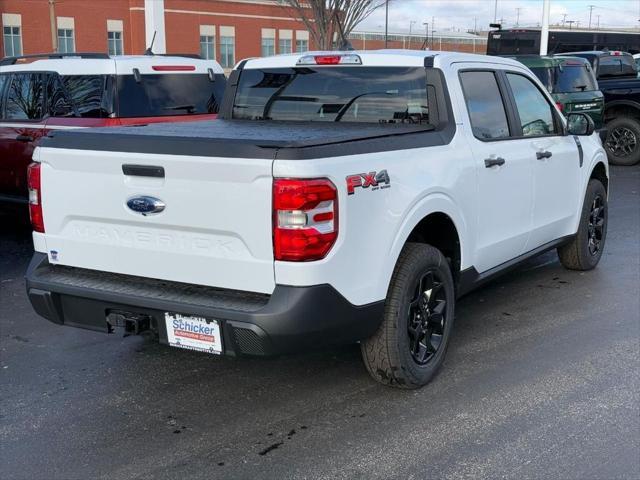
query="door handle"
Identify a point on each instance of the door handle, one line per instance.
(493, 162)
(24, 138)
(542, 155)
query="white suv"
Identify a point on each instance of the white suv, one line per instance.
(341, 197)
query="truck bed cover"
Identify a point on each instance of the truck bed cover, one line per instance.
(249, 139)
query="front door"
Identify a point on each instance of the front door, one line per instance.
(555, 159)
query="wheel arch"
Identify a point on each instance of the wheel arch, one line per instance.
(599, 172)
(617, 108)
(435, 221)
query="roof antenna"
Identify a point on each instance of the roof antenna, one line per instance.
(149, 51)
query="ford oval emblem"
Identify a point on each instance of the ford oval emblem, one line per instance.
(145, 205)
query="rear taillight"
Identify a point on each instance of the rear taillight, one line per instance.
(305, 219)
(35, 197)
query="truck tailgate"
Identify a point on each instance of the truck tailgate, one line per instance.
(215, 229)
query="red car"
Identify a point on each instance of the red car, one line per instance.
(61, 91)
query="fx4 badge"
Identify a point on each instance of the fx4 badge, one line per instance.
(366, 180)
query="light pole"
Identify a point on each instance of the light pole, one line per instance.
(410, 29)
(544, 34)
(386, 24)
(426, 37)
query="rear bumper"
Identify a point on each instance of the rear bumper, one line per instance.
(290, 319)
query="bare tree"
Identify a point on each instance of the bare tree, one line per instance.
(328, 19)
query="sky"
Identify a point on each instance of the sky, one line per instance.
(461, 14)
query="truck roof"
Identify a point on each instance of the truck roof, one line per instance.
(382, 58)
(113, 65)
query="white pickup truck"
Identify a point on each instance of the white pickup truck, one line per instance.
(340, 197)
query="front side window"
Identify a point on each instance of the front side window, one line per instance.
(12, 41)
(170, 94)
(381, 95)
(534, 111)
(284, 45)
(268, 47)
(208, 47)
(66, 43)
(114, 39)
(484, 103)
(24, 99)
(227, 51)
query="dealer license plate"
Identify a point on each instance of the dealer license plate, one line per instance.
(193, 333)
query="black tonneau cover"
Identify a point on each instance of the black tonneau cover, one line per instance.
(251, 139)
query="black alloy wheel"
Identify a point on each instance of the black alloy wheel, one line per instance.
(621, 142)
(427, 317)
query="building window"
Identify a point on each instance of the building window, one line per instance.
(12, 42)
(115, 43)
(208, 42)
(114, 37)
(302, 41)
(65, 41)
(227, 47)
(302, 45)
(268, 42)
(285, 41)
(268, 47)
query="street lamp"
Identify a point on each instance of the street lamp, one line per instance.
(410, 28)
(426, 38)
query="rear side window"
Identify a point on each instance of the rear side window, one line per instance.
(484, 103)
(89, 94)
(169, 94)
(58, 104)
(383, 95)
(536, 117)
(4, 79)
(25, 97)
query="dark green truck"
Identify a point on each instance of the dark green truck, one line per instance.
(571, 82)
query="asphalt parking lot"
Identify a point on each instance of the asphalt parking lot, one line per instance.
(542, 380)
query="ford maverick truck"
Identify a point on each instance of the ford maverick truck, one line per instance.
(340, 197)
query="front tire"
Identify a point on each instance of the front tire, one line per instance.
(585, 250)
(623, 141)
(409, 347)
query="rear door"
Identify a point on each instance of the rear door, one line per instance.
(504, 170)
(21, 127)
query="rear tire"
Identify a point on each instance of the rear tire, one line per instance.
(410, 345)
(623, 141)
(585, 250)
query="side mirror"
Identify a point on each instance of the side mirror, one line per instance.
(580, 124)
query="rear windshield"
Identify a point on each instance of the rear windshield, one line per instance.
(566, 79)
(616, 65)
(169, 94)
(334, 94)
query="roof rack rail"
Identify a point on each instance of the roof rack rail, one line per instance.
(13, 60)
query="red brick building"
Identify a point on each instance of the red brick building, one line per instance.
(227, 30)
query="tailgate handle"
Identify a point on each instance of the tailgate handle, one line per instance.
(24, 138)
(143, 170)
